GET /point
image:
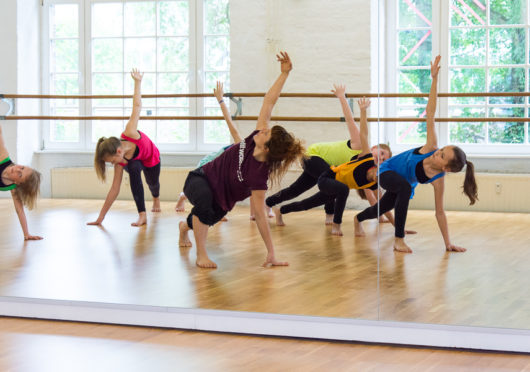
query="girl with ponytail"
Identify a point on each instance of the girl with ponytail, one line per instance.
(242, 170)
(135, 153)
(427, 164)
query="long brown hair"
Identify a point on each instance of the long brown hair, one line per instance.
(384, 146)
(28, 191)
(470, 184)
(105, 146)
(284, 149)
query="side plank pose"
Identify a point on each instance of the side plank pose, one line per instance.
(427, 164)
(320, 156)
(335, 183)
(23, 182)
(135, 153)
(239, 172)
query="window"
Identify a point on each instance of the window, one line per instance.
(182, 46)
(484, 48)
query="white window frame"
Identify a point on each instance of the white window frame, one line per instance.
(440, 45)
(196, 77)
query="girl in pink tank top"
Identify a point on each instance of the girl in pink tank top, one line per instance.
(135, 153)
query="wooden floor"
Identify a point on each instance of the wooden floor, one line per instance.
(36, 345)
(328, 275)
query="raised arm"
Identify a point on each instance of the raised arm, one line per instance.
(218, 92)
(3, 149)
(131, 130)
(432, 140)
(363, 136)
(441, 218)
(340, 92)
(274, 92)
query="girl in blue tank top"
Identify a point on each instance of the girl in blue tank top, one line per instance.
(427, 164)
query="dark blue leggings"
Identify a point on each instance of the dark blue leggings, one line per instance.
(397, 197)
(152, 178)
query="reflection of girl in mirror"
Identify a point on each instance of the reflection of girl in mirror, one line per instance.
(322, 155)
(239, 172)
(135, 153)
(335, 183)
(427, 164)
(23, 182)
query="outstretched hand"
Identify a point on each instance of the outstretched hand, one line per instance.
(137, 75)
(339, 90)
(95, 223)
(286, 64)
(454, 248)
(271, 261)
(33, 237)
(363, 103)
(435, 67)
(218, 91)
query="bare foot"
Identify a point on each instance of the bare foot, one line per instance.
(270, 213)
(401, 246)
(156, 205)
(279, 217)
(184, 239)
(329, 219)
(224, 219)
(205, 263)
(335, 229)
(142, 220)
(180, 207)
(358, 228)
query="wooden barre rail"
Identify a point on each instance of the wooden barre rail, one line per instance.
(287, 95)
(274, 118)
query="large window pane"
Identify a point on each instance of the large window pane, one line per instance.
(468, 46)
(64, 21)
(507, 12)
(217, 53)
(64, 130)
(140, 18)
(140, 53)
(107, 19)
(64, 55)
(107, 55)
(107, 128)
(173, 18)
(415, 48)
(507, 46)
(411, 132)
(510, 132)
(215, 131)
(467, 13)
(467, 80)
(414, 81)
(173, 54)
(173, 131)
(506, 80)
(467, 132)
(107, 84)
(217, 19)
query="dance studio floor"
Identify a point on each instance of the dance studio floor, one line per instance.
(328, 275)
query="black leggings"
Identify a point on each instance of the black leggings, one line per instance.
(331, 191)
(152, 178)
(314, 166)
(200, 195)
(397, 196)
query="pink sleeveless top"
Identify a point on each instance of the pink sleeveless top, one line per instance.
(148, 153)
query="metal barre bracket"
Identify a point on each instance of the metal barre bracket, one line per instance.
(11, 104)
(239, 105)
(350, 102)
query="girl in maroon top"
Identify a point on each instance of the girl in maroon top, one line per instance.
(135, 153)
(241, 171)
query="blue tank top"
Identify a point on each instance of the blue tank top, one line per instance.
(405, 163)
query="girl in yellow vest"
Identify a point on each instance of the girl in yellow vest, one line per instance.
(320, 156)
(335, 182)
(23, 183)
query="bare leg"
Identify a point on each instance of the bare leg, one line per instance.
(200, 231)
(335, 229)
(142, 219)
(279, 217)
(329, 219)
(401, 246)
(156, 205)
(357, 227)
(180, 207)
(184, 239)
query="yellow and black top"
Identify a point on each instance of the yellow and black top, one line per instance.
(354, 173)
(3, 165)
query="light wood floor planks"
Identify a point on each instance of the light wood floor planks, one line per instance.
(328, 275)
(36, 345)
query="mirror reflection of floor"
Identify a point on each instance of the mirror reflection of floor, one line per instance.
(327, 276)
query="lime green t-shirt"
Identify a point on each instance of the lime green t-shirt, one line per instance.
(3, 165)
(333, 153)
